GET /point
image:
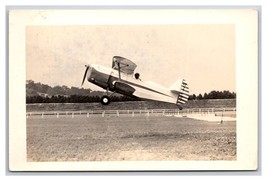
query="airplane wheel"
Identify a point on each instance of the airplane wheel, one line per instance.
(105, 100)
(180, 107)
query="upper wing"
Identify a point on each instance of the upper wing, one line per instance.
(124, 65)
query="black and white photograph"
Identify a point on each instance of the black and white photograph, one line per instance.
(130, 90)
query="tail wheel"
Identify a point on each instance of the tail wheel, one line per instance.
(180, 107)
(105, 100)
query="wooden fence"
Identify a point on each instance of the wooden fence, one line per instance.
(133, 113)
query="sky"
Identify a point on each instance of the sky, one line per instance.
(202, 54)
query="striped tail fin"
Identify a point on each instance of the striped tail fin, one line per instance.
(181, 88)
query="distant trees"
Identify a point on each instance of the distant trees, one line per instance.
(215, 95)
(62, 99)
(42, 93)
(34, 89)
(199, 96)
(74, 99)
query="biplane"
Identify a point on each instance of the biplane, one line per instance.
(122, 78)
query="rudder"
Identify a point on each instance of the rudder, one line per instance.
(180, 88)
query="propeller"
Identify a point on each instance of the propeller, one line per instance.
(85, 73)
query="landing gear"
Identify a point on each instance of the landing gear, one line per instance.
(180, 107)
(105, 100)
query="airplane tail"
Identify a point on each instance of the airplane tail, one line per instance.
(180, 88)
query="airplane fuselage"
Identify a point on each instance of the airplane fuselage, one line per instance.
(109, 79)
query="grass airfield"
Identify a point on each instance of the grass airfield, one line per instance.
(140, 138)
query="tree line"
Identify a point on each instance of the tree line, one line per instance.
(42, 93)
(214, 95)
(75, 99)
(39, 89)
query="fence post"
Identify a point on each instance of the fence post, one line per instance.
(57, 115)
(133, 114)
(28, 115)
(103, 113)
(222, 117)
(88, 114)
(42, 115)
(72, 115)
(118, 114)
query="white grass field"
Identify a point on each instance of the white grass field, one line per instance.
(111, 138)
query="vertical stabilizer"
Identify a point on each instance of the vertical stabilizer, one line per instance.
(180, 88)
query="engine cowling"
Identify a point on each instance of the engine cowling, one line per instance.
(99, 75)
